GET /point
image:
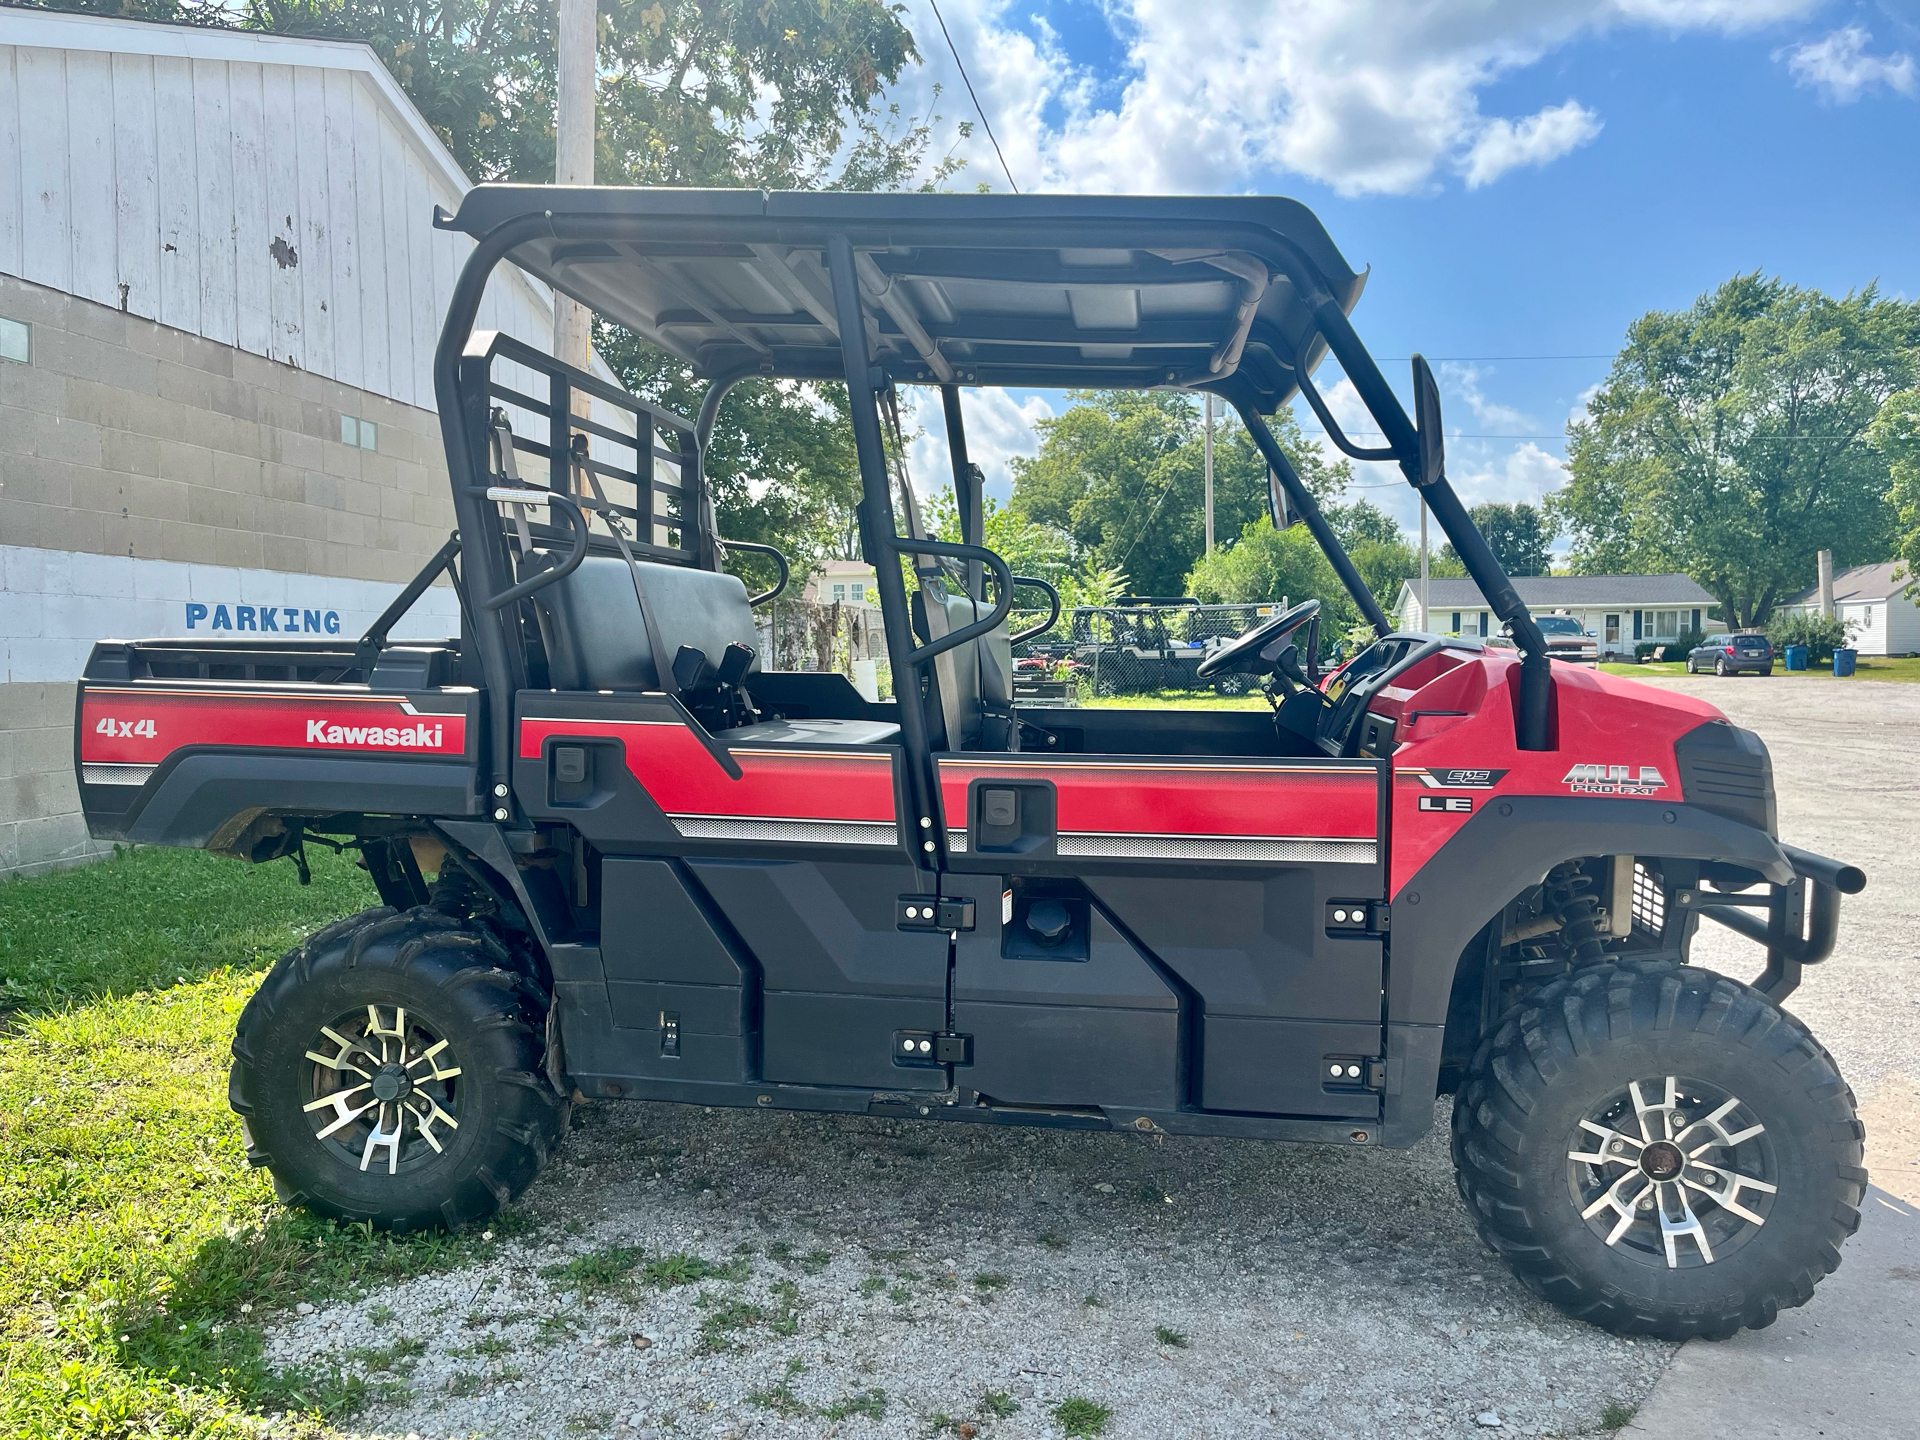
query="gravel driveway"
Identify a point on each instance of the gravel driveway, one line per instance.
(734, 1273)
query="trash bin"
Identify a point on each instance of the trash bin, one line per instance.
(1796, 657)
(1843, 659)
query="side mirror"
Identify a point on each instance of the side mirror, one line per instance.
(1426, 419)
(1279, 510)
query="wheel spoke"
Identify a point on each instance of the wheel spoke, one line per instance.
(382, 1138)
(1608, 1139)
(338, 1061)
(1669, 1100)
(344, 1112)
(1621, 1201)
(425, 1057)
(425, 1120)
(1672, 1227)
(1715, 1126)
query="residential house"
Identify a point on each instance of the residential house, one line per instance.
(842, 582)
(1620, 610)
(1886, 620)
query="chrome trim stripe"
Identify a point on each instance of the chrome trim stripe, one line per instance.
(804, 832)
(116, 774)
(1322, 850)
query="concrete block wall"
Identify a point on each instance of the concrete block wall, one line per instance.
(126, 438)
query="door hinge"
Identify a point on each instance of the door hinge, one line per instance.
(925, 1049)
(1358, 917)
(924, 912)
(1349, 1073)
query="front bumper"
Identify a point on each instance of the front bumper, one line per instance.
(1801, 918)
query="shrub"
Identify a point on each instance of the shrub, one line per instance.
(1687, 640)
(1819, 633)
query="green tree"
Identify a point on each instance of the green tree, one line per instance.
(1519, 536)
(1730, 441)
(692, 92)
(1896, 435)
(1122, 473)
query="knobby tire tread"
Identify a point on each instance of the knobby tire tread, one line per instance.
(1625, 1003)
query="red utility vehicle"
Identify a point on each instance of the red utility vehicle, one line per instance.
(621, 859)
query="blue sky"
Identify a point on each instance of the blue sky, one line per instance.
(1525, 177)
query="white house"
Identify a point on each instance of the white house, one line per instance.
(842, 582)
(1621, 610)
(220, 291)
(1886, 620)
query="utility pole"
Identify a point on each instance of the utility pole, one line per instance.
(1426, 617)
(573, 157)
(1209, 454)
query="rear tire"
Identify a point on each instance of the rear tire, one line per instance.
(1550, 1080)
(1720, 668)
(461, 1030)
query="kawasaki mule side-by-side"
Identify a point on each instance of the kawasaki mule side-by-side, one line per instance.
(620, 858)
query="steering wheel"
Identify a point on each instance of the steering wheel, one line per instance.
(1256, 640)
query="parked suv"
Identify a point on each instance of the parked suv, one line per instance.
(1732, 654)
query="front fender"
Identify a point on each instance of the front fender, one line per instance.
(1511, 844)
(1507, 846)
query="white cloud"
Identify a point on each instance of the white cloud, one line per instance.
(999, 427)
(1464, 381)
(1367, 96)
(1524, 473)
(1503, 145)
(1840, 68)
(1583, 400)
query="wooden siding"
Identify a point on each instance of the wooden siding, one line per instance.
(281, 208)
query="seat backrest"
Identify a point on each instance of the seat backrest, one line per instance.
(591, 625)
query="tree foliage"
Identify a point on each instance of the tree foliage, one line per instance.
(1896, 435)
(1730, 441)
(691, 92)
(1520, 536)
(1122, 474)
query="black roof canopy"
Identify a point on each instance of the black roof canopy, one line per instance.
(1032, 291)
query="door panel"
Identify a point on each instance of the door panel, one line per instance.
(838, 975)
(1086, 1021)
(1223, 872)
(759, 906)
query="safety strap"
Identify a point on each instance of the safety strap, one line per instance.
(586, 481)
(500, 442)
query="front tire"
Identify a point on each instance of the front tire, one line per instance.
(1563, 1145)
(391, 1070)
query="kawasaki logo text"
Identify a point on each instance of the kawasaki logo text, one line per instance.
(1614, 780)
(424, 737)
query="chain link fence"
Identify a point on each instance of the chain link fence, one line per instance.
(830, 636)
(1129, 649)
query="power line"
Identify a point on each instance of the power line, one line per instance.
(954, 50)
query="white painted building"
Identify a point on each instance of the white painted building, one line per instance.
(220, 292)
(1620, 610)
(1873, 599)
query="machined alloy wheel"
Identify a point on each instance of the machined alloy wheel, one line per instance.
(1659, 1150)
(1720, 667)
(393, 1070)
(384, 1088)
(1673, 1170)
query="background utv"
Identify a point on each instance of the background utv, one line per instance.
(620, 859)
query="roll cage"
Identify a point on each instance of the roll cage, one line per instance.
(1243, 297)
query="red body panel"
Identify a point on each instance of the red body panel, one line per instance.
(1619, 728)
(1122, 795)
(787, 783)
(144, 725)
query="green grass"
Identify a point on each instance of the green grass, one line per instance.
(1173, 1339)
(139, 1255)
(1176, 700)
(1868, 667)
(1617, 1416)
(1079, 1416)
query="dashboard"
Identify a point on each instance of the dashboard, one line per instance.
(1346, 726)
